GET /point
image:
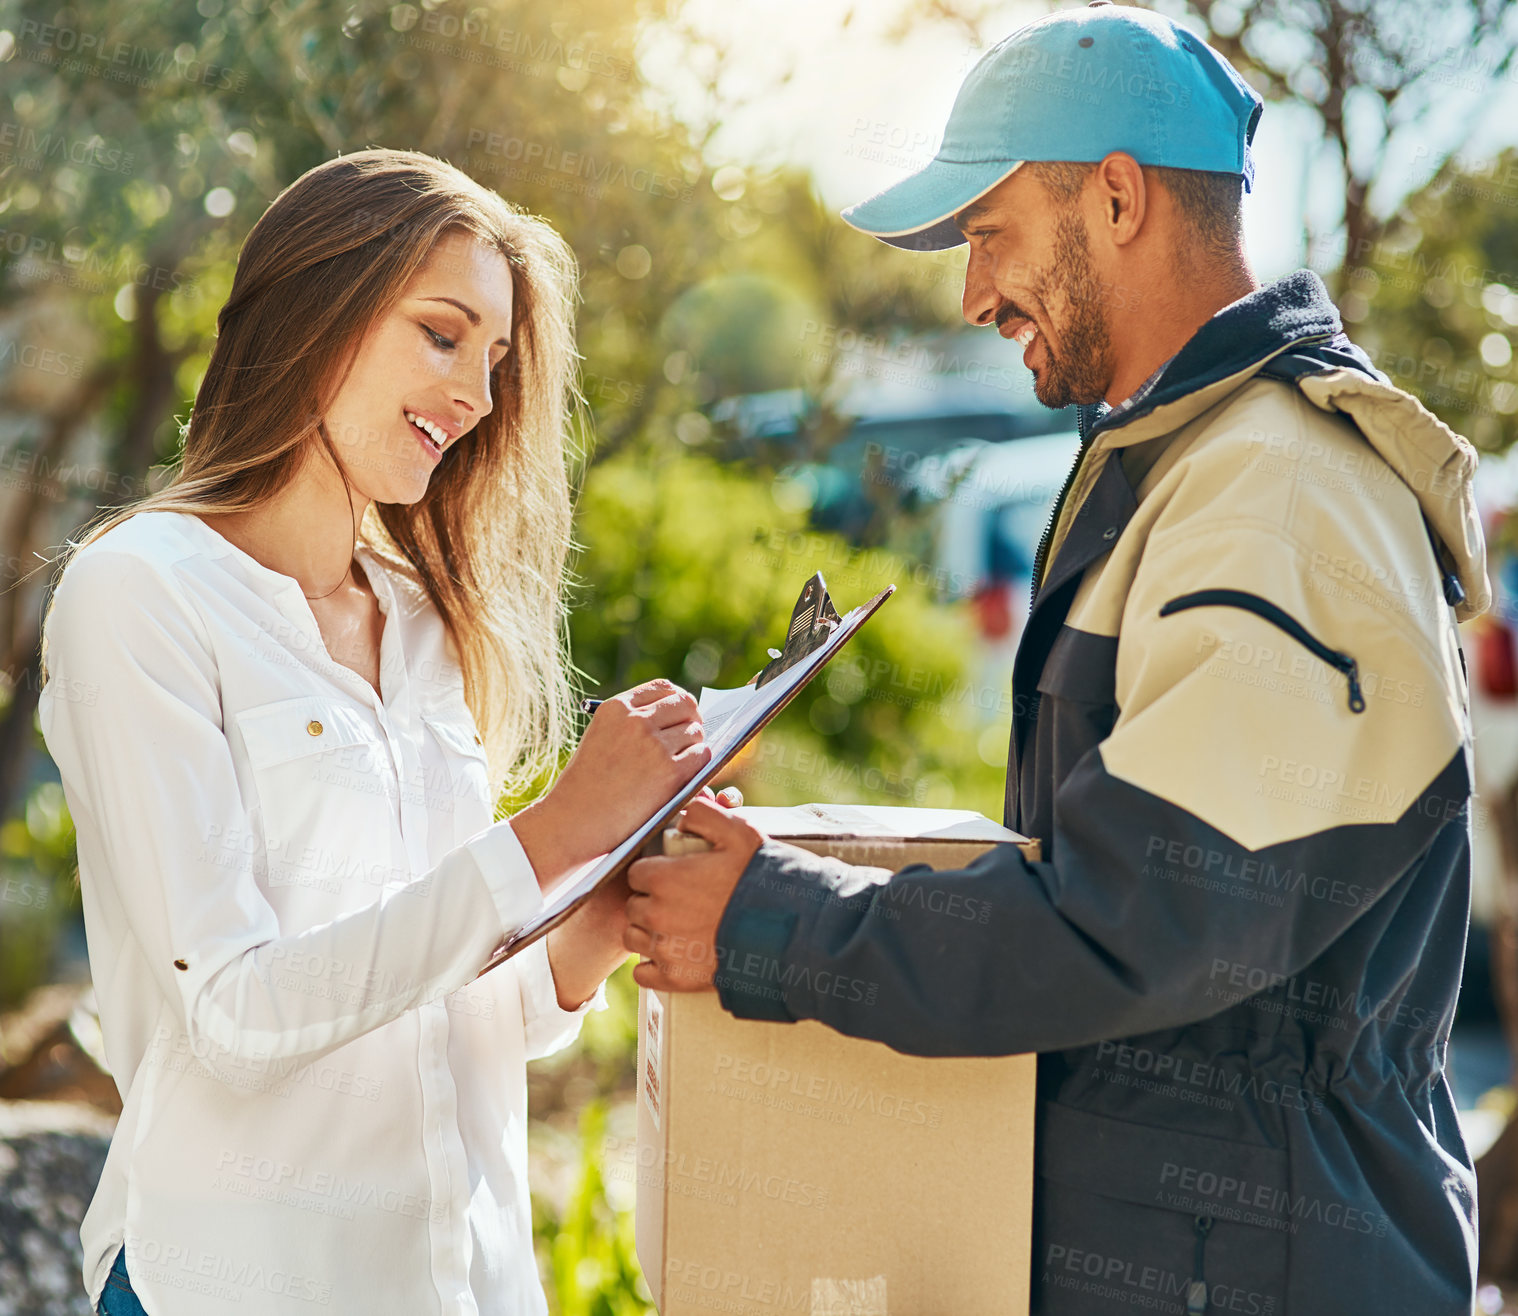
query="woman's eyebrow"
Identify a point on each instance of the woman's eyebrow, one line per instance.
(474, 316)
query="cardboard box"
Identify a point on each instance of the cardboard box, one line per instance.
(787, 1169)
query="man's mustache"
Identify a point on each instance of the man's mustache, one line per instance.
(1010, 311)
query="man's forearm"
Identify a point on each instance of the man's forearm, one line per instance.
(1006, 956)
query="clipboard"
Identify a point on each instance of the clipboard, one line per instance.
(816, 632)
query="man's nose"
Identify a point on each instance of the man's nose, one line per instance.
(981, 298)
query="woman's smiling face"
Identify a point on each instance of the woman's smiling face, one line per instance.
(421, 377)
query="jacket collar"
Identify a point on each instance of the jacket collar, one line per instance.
(1222, 355)
(1233, 347)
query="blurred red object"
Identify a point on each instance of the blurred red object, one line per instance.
(993, 610)
(1496, 660)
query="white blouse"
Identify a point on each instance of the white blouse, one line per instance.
(288, 887)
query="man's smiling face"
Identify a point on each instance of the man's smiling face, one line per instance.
(1030, 272)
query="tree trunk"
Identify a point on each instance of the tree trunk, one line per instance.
(151, 368)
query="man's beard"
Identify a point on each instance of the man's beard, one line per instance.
(1080, 371)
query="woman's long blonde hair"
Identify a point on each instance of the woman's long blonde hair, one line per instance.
(488, 541)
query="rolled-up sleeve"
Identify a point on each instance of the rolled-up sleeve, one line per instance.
(132, 716)
(549, 1027)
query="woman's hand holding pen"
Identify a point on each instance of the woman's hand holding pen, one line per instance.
(641, 746)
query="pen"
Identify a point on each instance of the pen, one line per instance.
(590, 705)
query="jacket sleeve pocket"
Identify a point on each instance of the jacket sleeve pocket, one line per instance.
(1164, 1218)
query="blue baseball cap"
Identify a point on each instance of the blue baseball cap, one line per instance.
(1075, 86)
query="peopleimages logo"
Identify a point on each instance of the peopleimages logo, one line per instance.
(1094, 75)
(681, 1172)
(1164, 1067)
(319, 1183)
(1114, 1277)
(17, 140)
(1256, 1203)
(822, 1087)
(96, 52)
(1353, 1006)
(725, 1289)
(1260, 873)
(598, 173)
(228, 1278)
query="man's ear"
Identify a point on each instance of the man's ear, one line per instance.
(1121, 197)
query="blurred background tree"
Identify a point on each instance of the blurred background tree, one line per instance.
(1434, 298)
(1374, 77)
(1370, 74)
(138, 145)
(137, 149)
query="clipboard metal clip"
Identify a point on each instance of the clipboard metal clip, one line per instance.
(812, 622)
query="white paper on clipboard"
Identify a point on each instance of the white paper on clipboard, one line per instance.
(740, 720)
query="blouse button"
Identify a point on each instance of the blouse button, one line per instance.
(314, 727)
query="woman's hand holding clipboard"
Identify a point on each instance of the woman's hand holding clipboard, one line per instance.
(816, 632)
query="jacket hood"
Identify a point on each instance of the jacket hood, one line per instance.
(1436, 463)
(1290, 330)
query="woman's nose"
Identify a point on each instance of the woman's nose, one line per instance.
(472, 387)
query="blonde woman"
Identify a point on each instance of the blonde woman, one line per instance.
(283, 693)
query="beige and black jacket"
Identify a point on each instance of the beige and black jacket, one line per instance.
(1241, 730)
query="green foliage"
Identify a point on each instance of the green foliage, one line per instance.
(690, 571)
(609, 1037)
(696, 281)
(1436, 301)
(742, 330)
(38, 893)
(593, 1264)
(140, 167)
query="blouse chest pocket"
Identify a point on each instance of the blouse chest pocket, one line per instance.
(327, 789)
(461, 786)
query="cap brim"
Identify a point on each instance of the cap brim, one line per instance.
(917, 214)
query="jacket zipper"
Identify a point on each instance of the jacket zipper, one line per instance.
(1196, 1291)
(1042, 551)
(1237, 598)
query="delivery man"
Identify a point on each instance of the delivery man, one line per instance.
(1240, 730)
